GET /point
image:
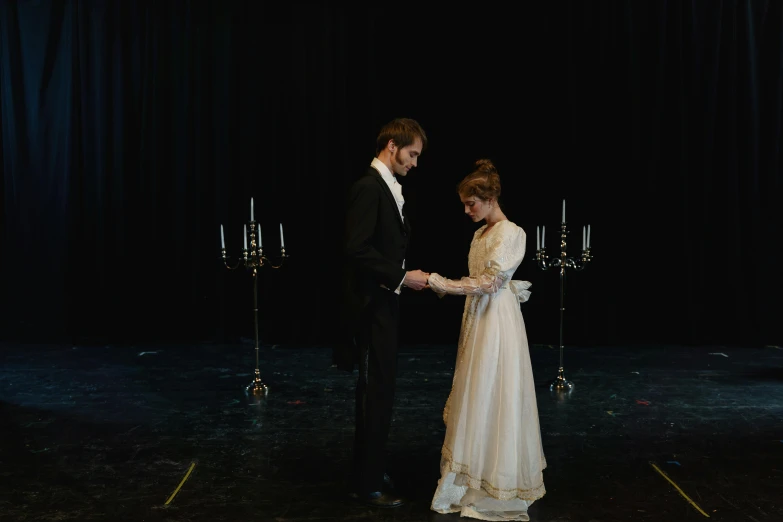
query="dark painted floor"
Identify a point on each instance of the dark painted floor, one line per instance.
(114, 433)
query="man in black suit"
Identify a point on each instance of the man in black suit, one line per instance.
(376, 241)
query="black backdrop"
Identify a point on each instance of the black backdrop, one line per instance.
(132, 129)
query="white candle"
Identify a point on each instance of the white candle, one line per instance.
(258, 229)
(251, 210)
(222, 238)
(538, 238)
(588, 236)
(543, 231)
(244, 234)
(583, 237)
(282, 243)
(563, 211)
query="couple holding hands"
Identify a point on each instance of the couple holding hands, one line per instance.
(492, 460)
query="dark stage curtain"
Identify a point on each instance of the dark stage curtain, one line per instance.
(132, 129)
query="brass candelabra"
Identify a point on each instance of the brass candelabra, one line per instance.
(560, 383)
(253, 259)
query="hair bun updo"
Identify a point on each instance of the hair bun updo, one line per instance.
(483, 182)
(486, 166)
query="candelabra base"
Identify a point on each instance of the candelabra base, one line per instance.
(560, 384)
(257, 386)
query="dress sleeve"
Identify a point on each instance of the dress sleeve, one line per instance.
(488, 282)
(505, 252)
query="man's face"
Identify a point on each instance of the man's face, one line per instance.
(406, 158)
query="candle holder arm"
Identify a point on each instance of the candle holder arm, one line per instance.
(236, 265)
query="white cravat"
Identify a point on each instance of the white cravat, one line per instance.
(397, 191)
(391, 181)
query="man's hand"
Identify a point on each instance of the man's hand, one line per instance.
(416, 279)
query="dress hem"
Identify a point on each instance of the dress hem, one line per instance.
(462, 471)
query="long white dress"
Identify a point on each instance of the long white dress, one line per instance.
(492, 459)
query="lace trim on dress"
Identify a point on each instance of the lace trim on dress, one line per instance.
(463, 471)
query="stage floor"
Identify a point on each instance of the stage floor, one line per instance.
(166, 433)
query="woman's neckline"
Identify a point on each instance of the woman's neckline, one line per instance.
(486, 228)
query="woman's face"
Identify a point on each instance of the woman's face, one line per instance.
(475, 207)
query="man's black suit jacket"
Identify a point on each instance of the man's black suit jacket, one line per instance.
(375, 245)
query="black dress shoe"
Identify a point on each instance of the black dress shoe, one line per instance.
(379, 499)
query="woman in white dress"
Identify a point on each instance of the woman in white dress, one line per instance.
(492, 460)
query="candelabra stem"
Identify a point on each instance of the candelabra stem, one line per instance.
(257, 386)
(562, 309)
(560, 384)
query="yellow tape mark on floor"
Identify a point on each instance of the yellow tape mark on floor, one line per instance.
(192, 465)
(694, 504)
